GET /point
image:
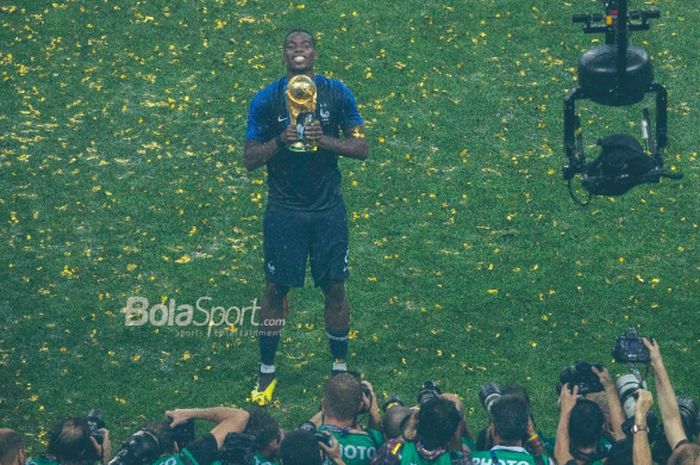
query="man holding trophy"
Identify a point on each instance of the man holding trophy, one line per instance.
(298, 126)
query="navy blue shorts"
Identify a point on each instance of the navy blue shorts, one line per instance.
(291, 237)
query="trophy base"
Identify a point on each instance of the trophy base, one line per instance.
(300, 147)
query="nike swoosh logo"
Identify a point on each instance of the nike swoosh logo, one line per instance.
(281, 119)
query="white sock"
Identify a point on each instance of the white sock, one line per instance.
(339, 365)
(267, 369)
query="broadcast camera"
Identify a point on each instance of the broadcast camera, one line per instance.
(616, 74)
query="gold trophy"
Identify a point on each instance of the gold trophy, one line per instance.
(301, 105)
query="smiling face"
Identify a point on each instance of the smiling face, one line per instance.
(299, 53)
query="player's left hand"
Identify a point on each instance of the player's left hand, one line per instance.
(313, 132)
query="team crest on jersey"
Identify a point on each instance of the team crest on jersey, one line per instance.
(324, 113)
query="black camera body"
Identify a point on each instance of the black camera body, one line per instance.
(321, 436)
(428, 391)
(580, 374)
(183, 434)
(629, 348)
(95, 422)
(237, 449)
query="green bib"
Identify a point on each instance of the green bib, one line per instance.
(179, 458)
(410, 456)
(260, 460)
(505, 457)
(356, 449)
(43, 460)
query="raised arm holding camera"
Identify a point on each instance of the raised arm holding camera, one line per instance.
(641, 452)
(684, 451)
(172, 442)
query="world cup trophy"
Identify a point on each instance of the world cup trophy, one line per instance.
(301, 105)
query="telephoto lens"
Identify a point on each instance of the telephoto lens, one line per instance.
(489, 393)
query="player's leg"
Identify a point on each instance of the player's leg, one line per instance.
(285, 237)
(329, 267)
(337, 316)
(272, 306)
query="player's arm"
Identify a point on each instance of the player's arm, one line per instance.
(256, 154)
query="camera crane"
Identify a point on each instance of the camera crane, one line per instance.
(616, 74)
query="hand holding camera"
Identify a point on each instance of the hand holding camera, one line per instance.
(331, 448)
(567, 398)
(644, 403)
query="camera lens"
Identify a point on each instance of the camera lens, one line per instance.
(627, 385)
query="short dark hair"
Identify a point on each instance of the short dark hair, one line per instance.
(264, 427)
(342, 396)
(586, 423)
(510, 415)
(300, 448)
(69, 442)
(437, 419)
(11, 443)
(162, 431)
(296, 31)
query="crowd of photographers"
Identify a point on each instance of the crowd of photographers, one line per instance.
(602, 422)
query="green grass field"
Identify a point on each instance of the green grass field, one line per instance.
(121, 132)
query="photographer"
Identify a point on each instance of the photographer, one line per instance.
(72, 441)
(580, 429)
(463, 437)
(172, 442)
(509, 426)
(684, 451)
(427, 437)
(489, 393)
(344, 398)
(302, 448)
(268, 437)
(204, 450)
(11, 448)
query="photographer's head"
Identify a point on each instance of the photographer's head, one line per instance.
(266, 430)
(300, 448)
(509, 419)
(70, 442)
(438, 420)
(685, 453)
(342, 397)
(585, 429)
(394, 421)
(11, 448)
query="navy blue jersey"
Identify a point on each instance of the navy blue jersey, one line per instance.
(303, 181)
